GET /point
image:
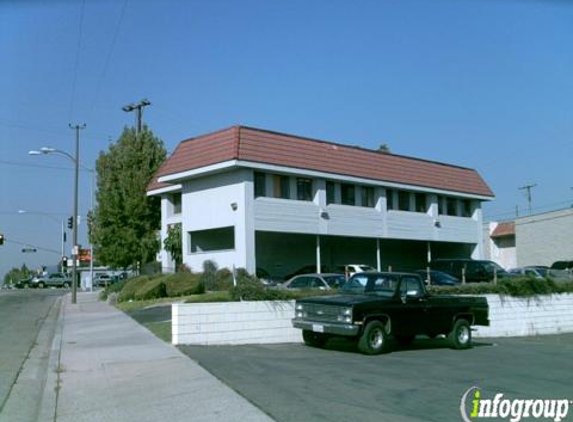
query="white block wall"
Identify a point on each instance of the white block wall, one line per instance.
(511, 316)
(270, 322)
(234, 323)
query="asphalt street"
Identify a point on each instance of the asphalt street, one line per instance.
(423, 382)
(23, 314)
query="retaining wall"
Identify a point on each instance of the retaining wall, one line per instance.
(270, 321)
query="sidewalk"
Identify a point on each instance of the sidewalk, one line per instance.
(109, 368)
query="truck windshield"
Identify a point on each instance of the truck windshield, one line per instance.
(371, 283)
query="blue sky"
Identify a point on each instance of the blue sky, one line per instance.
(485, 84)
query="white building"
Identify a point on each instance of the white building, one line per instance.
(253, 198)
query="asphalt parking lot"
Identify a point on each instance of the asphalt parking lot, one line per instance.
(422, 382)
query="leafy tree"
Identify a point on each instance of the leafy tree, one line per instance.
(125, 222)
(172, 244)
(384, 149)
(16, 274)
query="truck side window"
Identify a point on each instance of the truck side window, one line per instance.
(410, 286)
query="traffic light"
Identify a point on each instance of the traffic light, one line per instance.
(1, 239)
(70, 222)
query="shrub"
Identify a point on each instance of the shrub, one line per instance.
(183, 284)
(131, 287)
(520, 287)
(223, 280)
(112, 288)
(152, 289)
(209, 270)
(249, 288)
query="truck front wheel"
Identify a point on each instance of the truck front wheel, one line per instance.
(374, 339)
(461, 335)
(313, 339)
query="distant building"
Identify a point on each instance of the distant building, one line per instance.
(260, 199)
(539, 239)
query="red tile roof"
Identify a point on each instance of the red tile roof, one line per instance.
(267, 147)
(504, 229)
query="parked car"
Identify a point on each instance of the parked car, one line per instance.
(354, 268)
(103, 280)
(438, 278)
(23, 283)
(52, 280)
(475, 270)
(526, 271)
(308, 269)
(315, 281)
(562, 265)
(372, 306)
(541, 269)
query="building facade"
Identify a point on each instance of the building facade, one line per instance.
(258, 199)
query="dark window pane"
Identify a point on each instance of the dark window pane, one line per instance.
(421, 202)
(281, 187)
(403, 200)
(176, 201)
(347, 194)
(390, 199)
(466, 208)
(330, 193)
(441, 205)
(367, 196)
(452, 205)
(212, 240)
(303, 189)
(260, 184)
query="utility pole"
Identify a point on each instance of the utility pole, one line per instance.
(139, 112)
(75, 247)
(528, 194)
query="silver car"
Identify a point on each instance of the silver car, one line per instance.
(52, 280)
(325, 281)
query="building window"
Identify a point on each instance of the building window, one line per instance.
(176, 202)
(303, 189)
(219, 239)
(441, 210)
(330, 192)
(281, 187)
(421, 205)
(452, 206)
(390, 205)
(260, 184)
(466, 208)
(367, 196)
(403, 200)
(347, 196)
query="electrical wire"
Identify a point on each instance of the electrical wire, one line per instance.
(15, 242)
(77, 61)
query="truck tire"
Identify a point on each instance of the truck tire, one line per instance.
(374, 339)
(313, 339)
(461, 335)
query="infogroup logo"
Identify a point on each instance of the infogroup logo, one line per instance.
(474, 406)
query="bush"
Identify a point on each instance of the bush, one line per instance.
(208, 277)
(112, 288)
(223, 280)
(131, 287)
(520, 287)
(152, 289)
(183, 284)
(249, 288)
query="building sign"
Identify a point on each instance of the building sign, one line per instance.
(85, 255)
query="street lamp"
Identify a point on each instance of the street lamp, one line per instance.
(76, 161)
(59, 221)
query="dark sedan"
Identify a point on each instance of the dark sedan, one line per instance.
(438, 278)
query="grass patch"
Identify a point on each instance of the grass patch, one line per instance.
(160, 329)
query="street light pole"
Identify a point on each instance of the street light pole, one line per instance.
(75, 249)
(138, 108)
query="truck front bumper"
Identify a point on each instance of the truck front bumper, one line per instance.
(326, 327)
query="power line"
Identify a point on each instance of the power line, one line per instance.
(77, 61)
(108, 58)
(528, 194)
(33, 246)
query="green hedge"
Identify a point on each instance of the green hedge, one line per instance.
(519, 287)
(152, 289)
(249, 288)
(183, 284)
(131, 287)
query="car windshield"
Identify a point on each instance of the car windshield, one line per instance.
(492, 266)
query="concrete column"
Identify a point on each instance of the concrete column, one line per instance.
(378, 256)
(318, 263)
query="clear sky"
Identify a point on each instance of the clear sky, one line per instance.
(486, 84)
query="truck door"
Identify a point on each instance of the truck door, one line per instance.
(412, 319)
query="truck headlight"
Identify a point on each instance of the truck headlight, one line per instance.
(345, 318)
(298, 307)
(347, 311)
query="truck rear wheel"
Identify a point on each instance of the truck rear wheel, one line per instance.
(313, 339)
(374, 339)
(461, 335)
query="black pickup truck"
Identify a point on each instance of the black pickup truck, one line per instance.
(373, 306)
